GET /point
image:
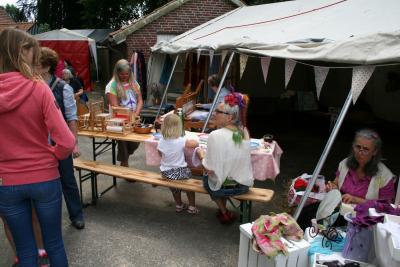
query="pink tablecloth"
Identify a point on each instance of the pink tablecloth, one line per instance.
(266, 163)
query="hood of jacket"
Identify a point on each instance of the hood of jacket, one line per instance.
(14, 90)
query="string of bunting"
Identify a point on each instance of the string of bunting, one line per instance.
(361, 74)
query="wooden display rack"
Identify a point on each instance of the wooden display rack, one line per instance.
(95, 120)
(122, 121)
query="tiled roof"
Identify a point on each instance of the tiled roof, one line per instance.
(4, 17)
(24, 26)
(7, 22)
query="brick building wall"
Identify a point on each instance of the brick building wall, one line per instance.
(180, 20)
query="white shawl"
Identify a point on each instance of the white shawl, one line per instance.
(227, 160)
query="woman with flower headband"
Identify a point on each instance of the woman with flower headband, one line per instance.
(360, 177)
(227, 160)
(124, 91)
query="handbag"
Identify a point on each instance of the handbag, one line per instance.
(294, 194)
(358, 241)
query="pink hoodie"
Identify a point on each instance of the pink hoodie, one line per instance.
(28, 114)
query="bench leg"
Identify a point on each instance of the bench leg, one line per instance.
(80, 185)
(245, 211)
(93, 183)
(82, 178)
(114, 161)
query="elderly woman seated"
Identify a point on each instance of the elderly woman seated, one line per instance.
(227, 160)
(360, 177)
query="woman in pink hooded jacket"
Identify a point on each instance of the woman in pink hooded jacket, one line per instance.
(29, 176)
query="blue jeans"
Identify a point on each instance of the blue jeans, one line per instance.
(16, 208)
(224, 192)
(70, 189)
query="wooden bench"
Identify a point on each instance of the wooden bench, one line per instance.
(153, 178)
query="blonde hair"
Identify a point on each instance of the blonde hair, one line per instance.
(120, 66)
(13, 42)
(171, 127)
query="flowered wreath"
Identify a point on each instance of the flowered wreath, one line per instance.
(234, 99)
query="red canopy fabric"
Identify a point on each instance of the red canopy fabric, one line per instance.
(77, 53)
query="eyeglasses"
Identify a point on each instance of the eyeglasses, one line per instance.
(221, 112)
(362, 149)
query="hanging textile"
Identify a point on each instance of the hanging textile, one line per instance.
(138, 66)
(195, 71)
(215, 66)
(166, 71)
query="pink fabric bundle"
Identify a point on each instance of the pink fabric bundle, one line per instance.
(268, 230)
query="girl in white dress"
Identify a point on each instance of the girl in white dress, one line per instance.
(173, 165)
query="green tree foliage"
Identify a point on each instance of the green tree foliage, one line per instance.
(15, 13)
(77, 14)
(56, 13)
(111, 13)
(151, 5)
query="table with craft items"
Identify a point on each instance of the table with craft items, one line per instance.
(265, 159)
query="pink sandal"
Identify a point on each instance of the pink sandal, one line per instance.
(193, 210)
(180, 208)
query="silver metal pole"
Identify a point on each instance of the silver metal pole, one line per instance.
(219, 90)
(166, 88)
(325, 153)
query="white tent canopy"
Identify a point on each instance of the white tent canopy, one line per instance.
(68, 35)
(343, 31)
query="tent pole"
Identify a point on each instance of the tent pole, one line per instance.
(166, 88)
(325, 153)
(219, 90)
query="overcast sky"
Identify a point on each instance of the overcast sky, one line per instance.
(4, 2)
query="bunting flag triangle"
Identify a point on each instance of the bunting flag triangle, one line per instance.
(211, 56)
(320, 77)
(243, 63)
(361, 75)
(198, 55)
(265, 61)
(289, 68)
(223, 56)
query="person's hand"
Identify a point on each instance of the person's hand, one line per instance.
(198, 105)
(330, 186)
(76, 153)
(348, 199)
(201, 153)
